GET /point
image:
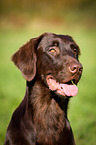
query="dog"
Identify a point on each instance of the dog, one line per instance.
(51, 68)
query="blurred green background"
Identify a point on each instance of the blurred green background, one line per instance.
(25, 19)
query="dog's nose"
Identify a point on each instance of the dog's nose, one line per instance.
(75, 68)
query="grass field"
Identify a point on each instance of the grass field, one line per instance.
(82, 108)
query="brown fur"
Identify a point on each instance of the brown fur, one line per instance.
(41, 118)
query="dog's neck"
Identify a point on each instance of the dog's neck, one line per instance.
(38, 92)
(48, 109)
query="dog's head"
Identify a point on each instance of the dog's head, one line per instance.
(54, 60)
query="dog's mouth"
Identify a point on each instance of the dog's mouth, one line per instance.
(68, 88)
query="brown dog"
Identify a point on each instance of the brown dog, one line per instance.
(50, 65)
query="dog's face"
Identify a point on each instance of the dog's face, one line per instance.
(54, 59)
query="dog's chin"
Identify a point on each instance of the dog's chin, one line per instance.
(66, 89)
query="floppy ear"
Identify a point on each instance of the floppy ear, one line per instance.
(25, 58)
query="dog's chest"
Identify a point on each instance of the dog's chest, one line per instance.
(51, 125)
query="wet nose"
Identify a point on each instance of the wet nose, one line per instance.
(75, 68)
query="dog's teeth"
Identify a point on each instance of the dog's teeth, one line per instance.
(72, 82)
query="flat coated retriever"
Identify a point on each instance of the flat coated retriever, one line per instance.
(50, 65)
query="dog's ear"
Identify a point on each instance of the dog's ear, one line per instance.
(25, 58)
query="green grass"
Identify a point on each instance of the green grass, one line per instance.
(82, 108)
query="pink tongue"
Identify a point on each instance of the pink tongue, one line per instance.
(69, 90)
(62, 89)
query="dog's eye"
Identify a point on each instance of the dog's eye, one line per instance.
(52, 50)
(75, 50)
